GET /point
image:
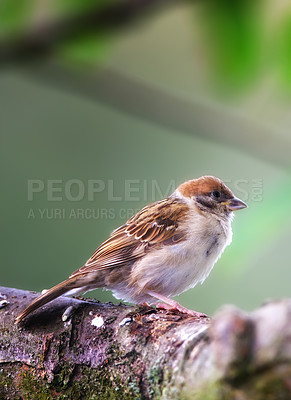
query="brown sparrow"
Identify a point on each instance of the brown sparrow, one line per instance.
(166, 248)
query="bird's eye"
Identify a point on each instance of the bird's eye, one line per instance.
(216, 194)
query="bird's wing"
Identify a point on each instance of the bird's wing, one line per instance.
(155, 224)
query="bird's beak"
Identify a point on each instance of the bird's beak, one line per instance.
(235, 204)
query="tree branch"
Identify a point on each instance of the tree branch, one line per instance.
(116, 351)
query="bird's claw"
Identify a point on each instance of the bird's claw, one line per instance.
(182, 309)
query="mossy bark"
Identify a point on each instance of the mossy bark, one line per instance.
(106, 351)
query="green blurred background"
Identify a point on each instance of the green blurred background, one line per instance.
(140, 96)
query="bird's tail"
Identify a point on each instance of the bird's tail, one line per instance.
(56, 291)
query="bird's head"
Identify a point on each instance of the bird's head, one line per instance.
(210, 194)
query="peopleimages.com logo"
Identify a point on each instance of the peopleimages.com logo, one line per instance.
(77, 190)
(132, 189)
(134, 192)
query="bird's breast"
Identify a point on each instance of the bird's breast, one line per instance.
(207, 239)
(174, 268)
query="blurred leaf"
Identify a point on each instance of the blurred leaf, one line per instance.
(86, 49)
(284, 53)
(232, 32)
(14, 15)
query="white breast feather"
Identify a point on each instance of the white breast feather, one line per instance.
(183, 265)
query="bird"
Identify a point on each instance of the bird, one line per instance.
(165, 249)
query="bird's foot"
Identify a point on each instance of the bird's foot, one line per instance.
(181, 309)
(170, 304)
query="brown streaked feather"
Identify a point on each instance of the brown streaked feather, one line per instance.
(153, 225)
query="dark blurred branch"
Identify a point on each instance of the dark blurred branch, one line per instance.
(40, 40)
(121, 352)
